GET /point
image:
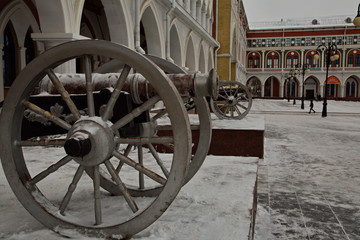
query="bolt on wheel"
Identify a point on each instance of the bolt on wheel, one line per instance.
(47, 172)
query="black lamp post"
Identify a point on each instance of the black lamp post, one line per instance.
(331, 55)
(302, 69)
(290, 76)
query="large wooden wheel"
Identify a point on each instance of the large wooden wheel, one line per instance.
(46, 173)
(234, 101)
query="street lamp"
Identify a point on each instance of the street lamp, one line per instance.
(302, 69)
(356, 20)
(331, 55)
(290, 76)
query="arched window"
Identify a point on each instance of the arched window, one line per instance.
(254, 60)
(311, 61)
(353, 58)
(292, 59)
(335, 63)
(9, 55)
(272, 60)
(350, 88)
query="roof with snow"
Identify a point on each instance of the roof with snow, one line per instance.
(318, 22)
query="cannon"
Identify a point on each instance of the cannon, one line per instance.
(76, 163)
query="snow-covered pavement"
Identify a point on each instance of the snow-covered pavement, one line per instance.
(308, 185)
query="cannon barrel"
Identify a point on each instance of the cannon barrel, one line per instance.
(193, 85)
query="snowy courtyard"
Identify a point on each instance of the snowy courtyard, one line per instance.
(308, 186)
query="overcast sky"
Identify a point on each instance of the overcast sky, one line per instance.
(272, 10)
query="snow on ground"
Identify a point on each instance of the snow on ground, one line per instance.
(215, 204)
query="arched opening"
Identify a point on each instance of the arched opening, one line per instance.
(272, 87)
(333, 84)
(175, 46)
(311, 88)
(351, 88)
(190, 55)
(310, 59)
(353, 59)
(292, 59)
(150, 39)
(273, 60)
(119, 29)
(254, 86)
(202, 65)
(9, 56)
(253, 60)
(93, 21)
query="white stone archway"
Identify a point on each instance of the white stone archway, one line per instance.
(152, 32)
(175, 46)
(190, 61)
(21, 18)
(202, 61)
(119, 23)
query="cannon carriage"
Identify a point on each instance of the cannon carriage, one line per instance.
(94, 137)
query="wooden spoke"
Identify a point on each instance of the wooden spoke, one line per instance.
(121, 163)
(48, 115)
(50, 170)
(141, 162)
(242, 106)
(121, 187)
(71, 189)
(158, 160)
(97, 198)
(89, 86)
(136, 112)
(144, 140)
(140, 168)
(159, 115)
(64, 94)
(116, 93)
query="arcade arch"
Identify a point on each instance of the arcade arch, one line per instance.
(150, 39)
(254, 85)
(190, 62)
(175, 46)
(352, 87)
(272, 87)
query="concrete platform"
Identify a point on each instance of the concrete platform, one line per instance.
(243, 137)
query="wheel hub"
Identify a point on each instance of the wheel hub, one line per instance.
(90, 141)
(231, 100)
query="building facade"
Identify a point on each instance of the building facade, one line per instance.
(180, 31)
(231, 33)
(276, 48)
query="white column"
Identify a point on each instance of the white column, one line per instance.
(322, 60)
(198, 11)
(302, 57)
(263, 60)
(322, 91)
(262, 90)
(203, 18)
(193, 8)
(22, 54)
